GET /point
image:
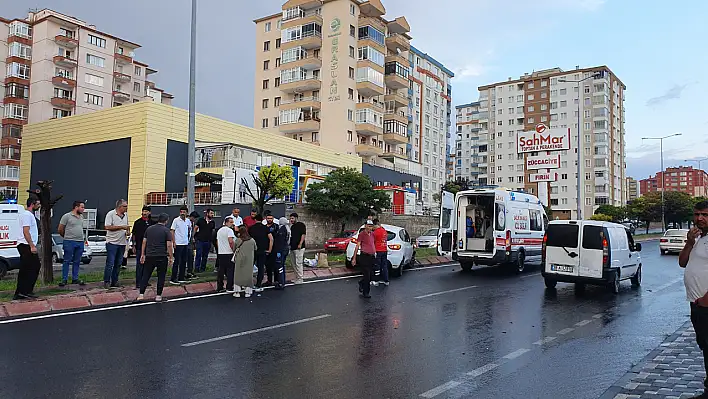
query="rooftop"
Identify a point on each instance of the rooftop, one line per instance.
(432, 61)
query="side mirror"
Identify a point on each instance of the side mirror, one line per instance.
(638, 247)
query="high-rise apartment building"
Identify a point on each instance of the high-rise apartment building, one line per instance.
(632, 189)
(487, 131)
(685, 179)
(336, 73)
(58, 66)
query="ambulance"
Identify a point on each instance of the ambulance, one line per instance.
(9, 232)
(491, 226)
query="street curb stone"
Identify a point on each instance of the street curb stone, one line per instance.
(69, 302)
(28, 307)
(106, 298)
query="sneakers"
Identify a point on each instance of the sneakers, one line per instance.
(375, 283)
(63, 283)
(140, 297)
(158, 298)
(258, 289)
(79, 282)
(386, 283)
(174, 282)
(237, 294)
(106, 286)
(231, 291)
(115, 286)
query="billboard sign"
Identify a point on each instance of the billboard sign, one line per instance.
(544, 162)
(543, 177)
(543, 138)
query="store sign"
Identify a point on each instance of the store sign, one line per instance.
(543, 139)
(543, 177)
(334, 26)
(544, 162)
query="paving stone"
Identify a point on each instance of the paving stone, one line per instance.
(69, 302)
(106, 298)
(3, 312)
(173, 291)
(199, 288)
(19, 308)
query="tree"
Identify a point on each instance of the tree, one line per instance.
(273, 181)
(346, 194)
(601, 217)
(646, 208)
(44, 194)
(678, 207)
(453, 186)
(616, 213)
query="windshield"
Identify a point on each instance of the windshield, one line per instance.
(431, 232)
(562, 235)
(676, 233)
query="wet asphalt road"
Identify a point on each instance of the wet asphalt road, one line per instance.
(436, 333)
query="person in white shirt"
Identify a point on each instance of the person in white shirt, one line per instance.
(117, 232)
(180, 239)
(694, 257)
(27, 247)
(236, 215)
(225, 239)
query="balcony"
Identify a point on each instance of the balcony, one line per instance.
(395, 81)
(372, 8)
(65, 61)
(62, 102)
(367, 150)
(394, 116)
(66, 41)
(304, 125)
(305, 102)
(121, 77)
(301, 18)
(398, 100)
(395, 138)
(394, 154)
(302, 85)
(369, 64)
(367, 128)
(308, 62)
(122, 59)
(64, 82)
(396, 58)
(377, 107)
(398, 43)
(308, 40)
(200, 198)
(121, 96)
(369, 89)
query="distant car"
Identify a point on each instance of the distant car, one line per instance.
(58, 251)
(401, 253)
(97, 244)
(339, 242)
(673, 241)
(429, 239)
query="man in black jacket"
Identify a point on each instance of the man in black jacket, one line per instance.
(205, 231)
(136, 242)
(264, 246)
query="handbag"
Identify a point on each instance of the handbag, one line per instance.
(236, 251)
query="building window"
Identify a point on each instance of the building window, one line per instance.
(60, 113)
(61, 93)
(17, 49)
(138, 71)
(369, 32)
(264, 123)
(18, 70)
(277, 62)
(351, 94)
(265, 84)
(136, 87)
(351, 72)
(93, 80)
(350, 115)
(16, 111)
(266, 64)
(21, 29)
(15, 90)
(352, 31)
(93, 99)
(276, 102)
(276, 82)
(9, 152)
(352, 52)
(266, 45)
(350, 136)
(277, 43)
(276, 121)
(352, 9)
(97, 41)
(267, 26)
(530, 97)
(315, 137)
(94, 60)
(264, 103)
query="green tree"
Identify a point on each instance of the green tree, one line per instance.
(616, 213)
(678, 207)
(601, 217)
(646, 208)
(452, 186)
(347, 195)
(272, 182)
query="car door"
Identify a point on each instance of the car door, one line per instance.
(562, 248)
(407, 246)
(446, 225)
(631, 258)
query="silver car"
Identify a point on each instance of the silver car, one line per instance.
(673, 241)
(58, 251)
(97, 244)
(429, 239)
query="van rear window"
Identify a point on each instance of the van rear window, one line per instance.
(562, 235)
(592, 237)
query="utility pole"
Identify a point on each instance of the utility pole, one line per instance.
(663, 175)
(191, 145)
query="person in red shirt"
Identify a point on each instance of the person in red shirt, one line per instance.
(381, 262)
(365, 242)
(249, 221)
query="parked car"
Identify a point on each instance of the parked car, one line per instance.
(97, 244)
(58, 251)
(340, 241)
(673, 241)
(401, 253)
(429, 239)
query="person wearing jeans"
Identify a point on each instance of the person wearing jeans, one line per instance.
(297, 245)
(203, 236)
(381, 261)
(156, 253)
(117, 230)
(71, 228)
(180, 239)
(264, 246)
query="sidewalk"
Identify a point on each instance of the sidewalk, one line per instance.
(93, 296)
(673, 370)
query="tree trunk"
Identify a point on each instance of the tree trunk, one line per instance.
(344, 223)
(44, 194)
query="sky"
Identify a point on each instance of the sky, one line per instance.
(657, 48)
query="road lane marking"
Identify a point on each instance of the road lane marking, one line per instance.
(531, 275)
(440, 389)
(582, 323)
(481, 370)
(544, 341)
(445, 292)
(257, 330)
(565, 331)
(598, 316)
(516, 353)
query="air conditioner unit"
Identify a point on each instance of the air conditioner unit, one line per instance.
(19, 141)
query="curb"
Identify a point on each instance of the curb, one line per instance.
(98, 297)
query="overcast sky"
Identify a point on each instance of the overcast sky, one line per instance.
(657, 50)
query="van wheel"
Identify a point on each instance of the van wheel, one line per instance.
(520, 262)
(550, 284)
(637, 278)
(615, 283)
(466, 267)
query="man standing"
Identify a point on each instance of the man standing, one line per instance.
(203, 235)
(238, 220)
(264, 246)
(297, 246)
(180, 240)
(27, 247)
(271, 260)
(193, 217)
(226, 238)
(381, 245)
(71, 228)
(365, 242)
(249, 221)
(156, 253)
(117, 230)
(136, 241)
(694, 257)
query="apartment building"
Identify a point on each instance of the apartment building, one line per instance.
(58, 66)
(632, 189)
(685, 179)
(336, 73)
(487, 133)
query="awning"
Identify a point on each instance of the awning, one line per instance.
(206, 177)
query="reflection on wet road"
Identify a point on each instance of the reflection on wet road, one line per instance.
(434, 333)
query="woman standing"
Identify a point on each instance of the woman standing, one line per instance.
(283, 248)
(244, 257)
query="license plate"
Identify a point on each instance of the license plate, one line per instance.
(562, 268)
(677, 241)
(331, 245)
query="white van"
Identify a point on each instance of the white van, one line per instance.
(590, 252)
(490, 226)
(9, 232)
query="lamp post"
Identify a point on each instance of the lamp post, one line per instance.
(663, 178)
(578, 201)
(699, 161)
(192, 112)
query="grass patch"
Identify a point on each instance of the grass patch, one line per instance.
(336, 258)
(425, 252)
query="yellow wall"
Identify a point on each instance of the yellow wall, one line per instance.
(149, 125)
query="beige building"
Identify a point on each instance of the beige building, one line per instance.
(336, 73)
(487, 131)
(632, 189)
(58, 66)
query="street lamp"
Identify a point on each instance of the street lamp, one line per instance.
(697, 160)
(702, 182)
(663, 178)
(578, 201)
(192, 112)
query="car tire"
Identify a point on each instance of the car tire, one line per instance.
(466, 267)
(520, 263)
(663, 252)
(615, 283)
(86, 261)
(397, 272)
(550, 283)
(637, 278)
